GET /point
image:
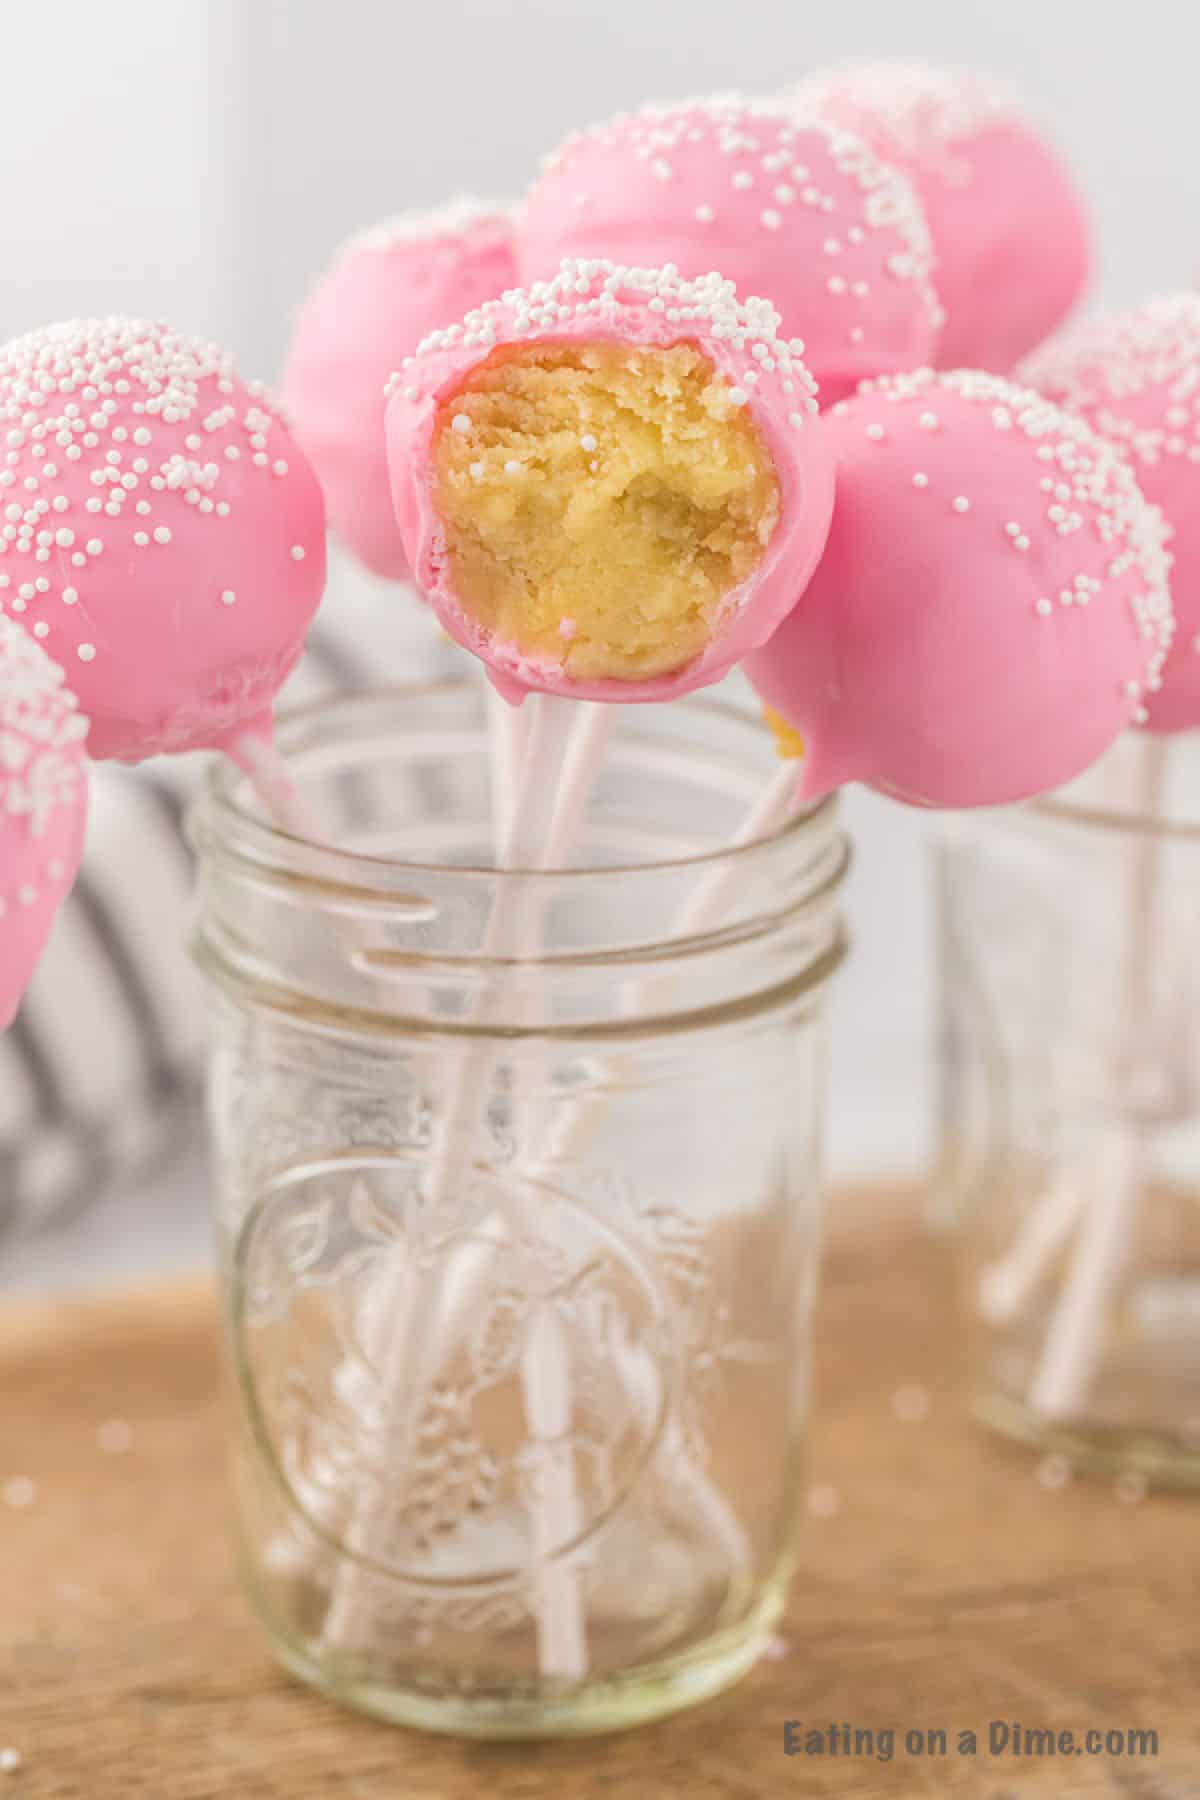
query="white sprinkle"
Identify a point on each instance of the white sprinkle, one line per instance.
(1044, 608)
(743, 180)
(587, 442)
(460, 422)
(875, 433)
(297, 549)
(114, 1437)
(961, 504)
(162, 534)
(823, 1501)
(704, 214)
(228, 597)
(1054, 1471)
(70, 596)
(911, 1403)
(771, 219)
(10, 1760)
(920, 481)
(928, 421)
(86, 652)
(512, 466)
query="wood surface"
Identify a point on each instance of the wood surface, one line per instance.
(941, 1585)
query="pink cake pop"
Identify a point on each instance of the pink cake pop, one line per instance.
(386, 290)
(1135, 377)
(744, 372)
(1009, 228)
(991, 606)
(164, 536)
(43, 805)
(803, 213)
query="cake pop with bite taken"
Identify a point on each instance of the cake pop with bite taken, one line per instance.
(991, 609)
(43, 805)
(163, 537)
(1010, 230)
(387, 288)
(1135, 377)
(803, 213)
(610, 486)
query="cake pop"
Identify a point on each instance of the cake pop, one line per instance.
(610, 486)
(163, 536)
(43, 805)
(386, 290)
(802, 213)
(992, 604)
(1135, 377)
(1009, 228)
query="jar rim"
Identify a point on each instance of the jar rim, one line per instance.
(361, 872)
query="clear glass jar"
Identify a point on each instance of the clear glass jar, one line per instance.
(1070, 963)
(519, 1445)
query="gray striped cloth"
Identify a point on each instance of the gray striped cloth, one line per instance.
(99, 1075)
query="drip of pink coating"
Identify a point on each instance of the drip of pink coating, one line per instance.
(597, 302)
(1010, 230)
(1135, 377)
(802, 212)
(43, 805)
(162, 534)
(992, 605)
(386, 290)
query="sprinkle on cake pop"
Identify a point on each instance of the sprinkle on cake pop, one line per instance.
(612, 485)
(1135, 377)
(991, 606)
(43, 805)
(387, 288)
(803, 213)
(1009, 227)
(163, 536)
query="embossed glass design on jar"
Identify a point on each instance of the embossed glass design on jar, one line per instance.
(520, 1418)
(1070, 961)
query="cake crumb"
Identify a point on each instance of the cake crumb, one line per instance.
(19, 1491)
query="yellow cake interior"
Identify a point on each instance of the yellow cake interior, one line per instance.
(600, 501)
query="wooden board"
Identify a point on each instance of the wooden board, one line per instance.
(940, 1587)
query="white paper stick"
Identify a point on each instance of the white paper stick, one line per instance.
(418, 1337)
(1006, 1284)
(506, 745)
(1076, 1337)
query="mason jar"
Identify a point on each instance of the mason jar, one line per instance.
(519, 1416)
(1070, 969)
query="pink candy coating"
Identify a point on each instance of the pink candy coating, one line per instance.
(803, 214)
(1135, 377)
(43, 805)
(1010, 232)
(991, 605)
(164, 535)
(596, 302)
(386, 290)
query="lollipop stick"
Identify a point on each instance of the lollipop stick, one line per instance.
(506, 743)
(562, 738)
(1078, 1327)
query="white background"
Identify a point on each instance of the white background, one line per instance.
(199, 159)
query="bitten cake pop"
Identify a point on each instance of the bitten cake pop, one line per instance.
(1135, 376)
(1009, 227)
(43, 805)
(803, 214)
(990, 609)
(611, 486)
(163, 536)
(386, 290)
